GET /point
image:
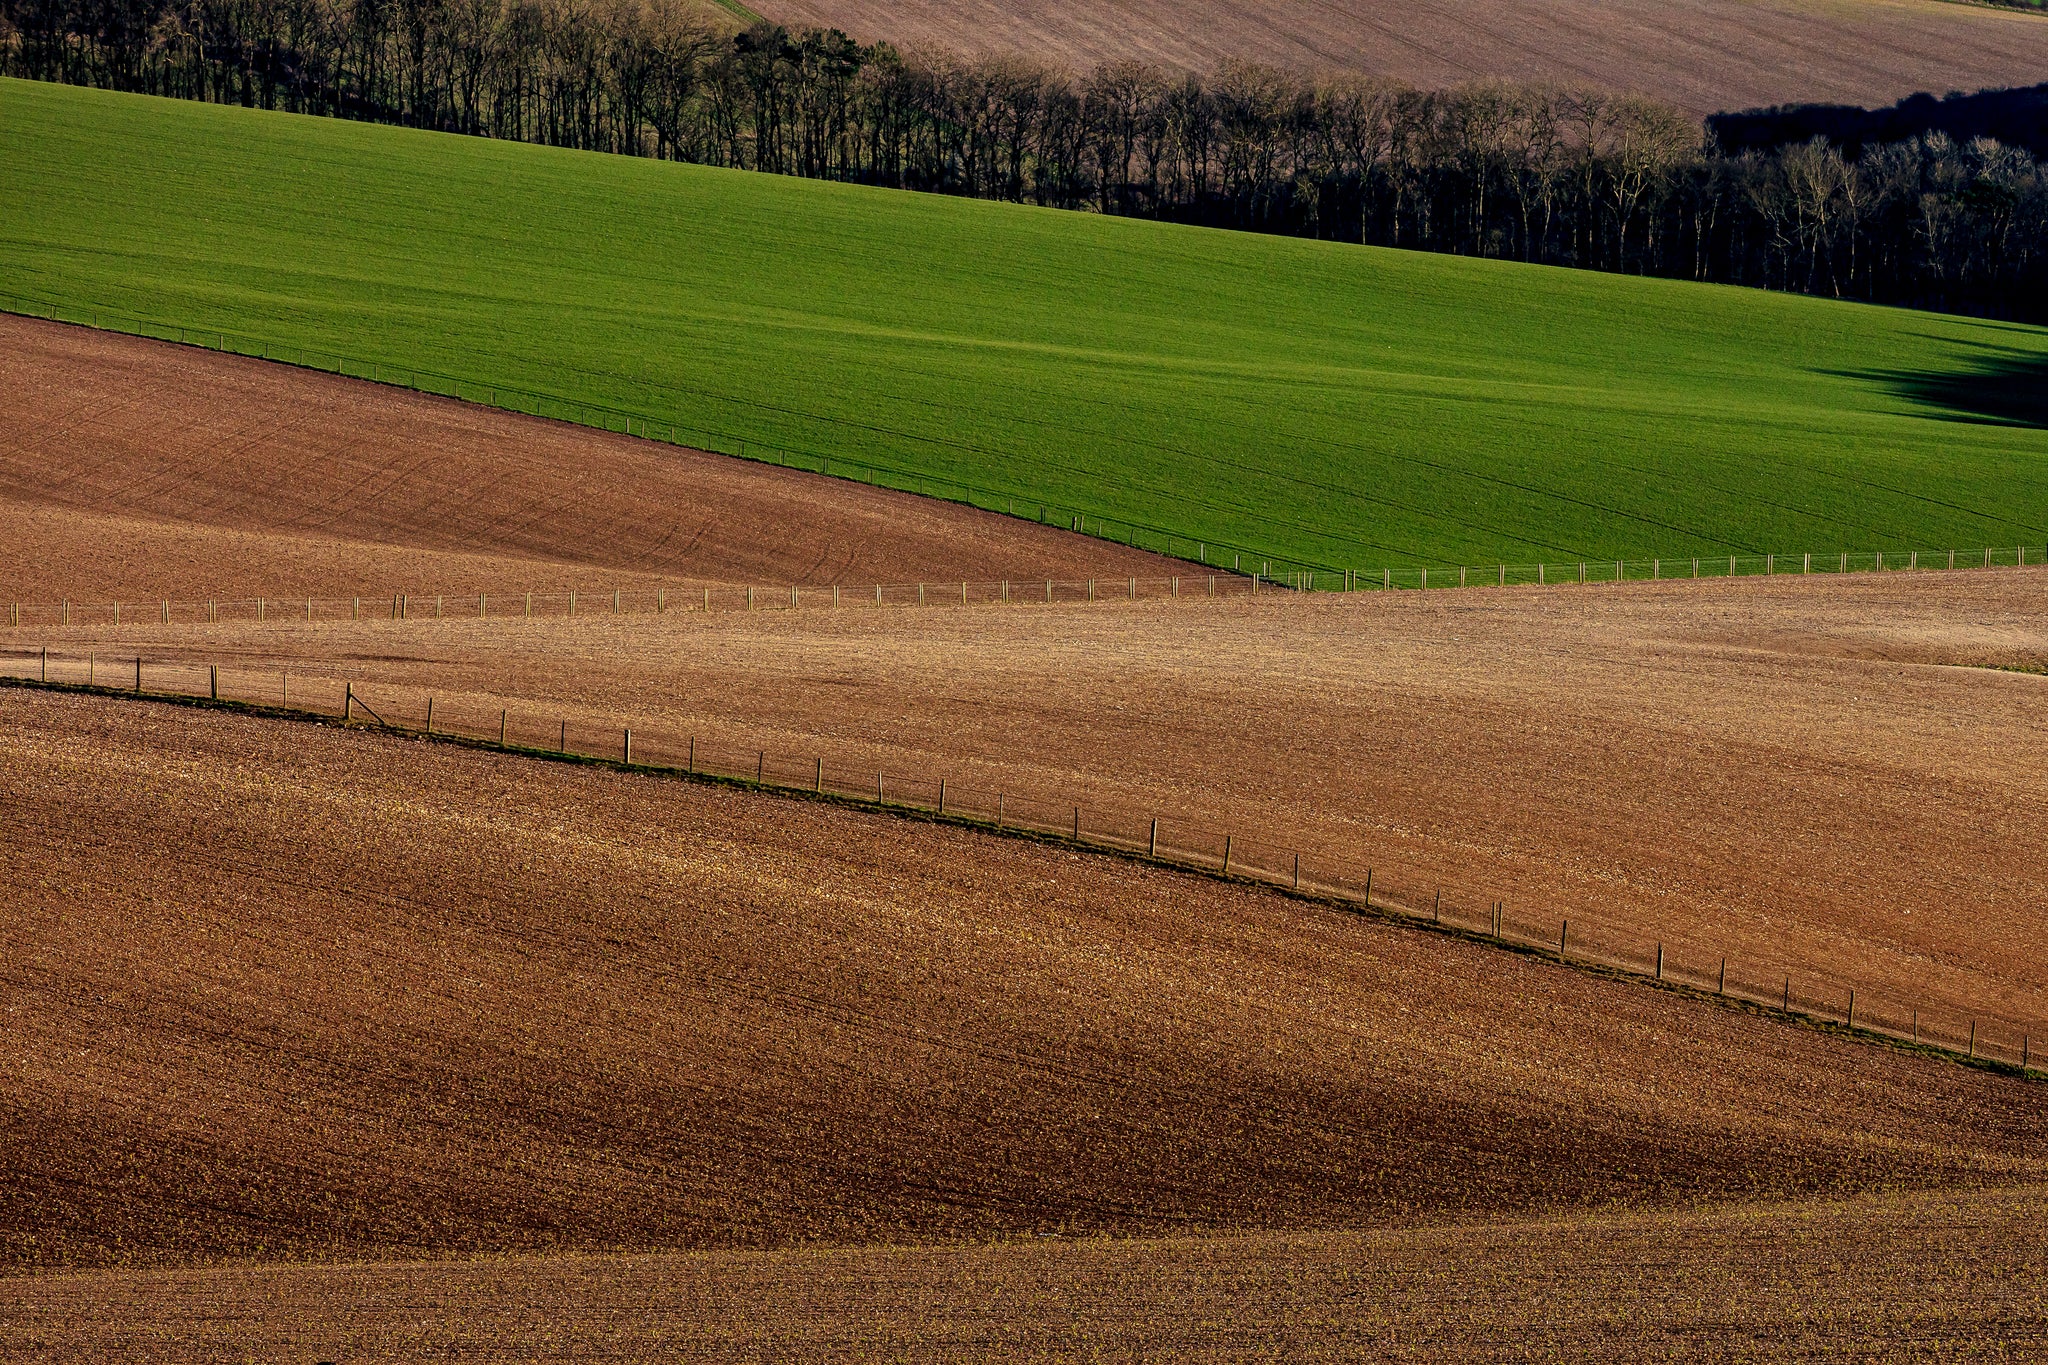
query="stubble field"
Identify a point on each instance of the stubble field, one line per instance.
(1889, 1278)
(1811, 778)
(279, 991)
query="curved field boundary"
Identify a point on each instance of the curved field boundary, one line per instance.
(1165, 840)
(1021, 592)
(627, 422)
(1293, 572)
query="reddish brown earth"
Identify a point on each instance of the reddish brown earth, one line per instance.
(277, 990)
(138, 469)
(1788, 773)
(1948, 1276)
(1702, 55)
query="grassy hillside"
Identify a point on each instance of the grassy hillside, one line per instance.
(1331, 404)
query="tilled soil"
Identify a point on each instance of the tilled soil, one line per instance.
(276, 990)
(1948, 1276)
(138, 469)
(1797, 775)
(1703, 55)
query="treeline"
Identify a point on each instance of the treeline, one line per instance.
(2017, 117)
(1567, 177)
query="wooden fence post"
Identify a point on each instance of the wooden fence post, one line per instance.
(942, 796)
(1973, 1040)
(1297, 872)
(629, 748)
(1722, 988)
(1786, 1006)
(430, 715)
(878, 786)
(1660, 962)
(1436, 911)
(1226, 855)
(818, 779)
(1077, 824)
(1564, 930)
(1152, 844)
(213, 683)
(138, 673)
(348, 702)
(1368, 889)
(46, 663)
(501, 727)
(760, 765)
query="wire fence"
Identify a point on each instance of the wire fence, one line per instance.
(624, 601)
(633, 601)
(1156, 837)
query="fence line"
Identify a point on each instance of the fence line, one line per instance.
(640, 601)
(1151, 837)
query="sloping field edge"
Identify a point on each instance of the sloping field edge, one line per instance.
(1498, 935)
(604, 417)
(1245, 560)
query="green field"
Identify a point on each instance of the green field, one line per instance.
(1328, 404)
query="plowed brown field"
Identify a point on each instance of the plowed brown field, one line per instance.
(1789, 773)
(1898, 1278)
(137, 468)
(276, 990)
(1703, 55)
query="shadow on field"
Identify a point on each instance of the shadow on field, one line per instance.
(2005, 387)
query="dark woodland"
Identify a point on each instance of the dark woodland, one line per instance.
(1878, 207)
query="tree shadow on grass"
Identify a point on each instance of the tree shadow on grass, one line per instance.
(2004, 387)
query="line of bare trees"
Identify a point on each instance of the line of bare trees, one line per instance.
(1568, 177)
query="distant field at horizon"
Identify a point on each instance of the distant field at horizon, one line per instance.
(1705, 56)
(1334, 405)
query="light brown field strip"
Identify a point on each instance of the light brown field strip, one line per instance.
(1163, 838)
(1955, 1276)
(276, 990)
(1775, 771)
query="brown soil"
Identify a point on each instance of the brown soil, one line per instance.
(1899, 1278)
(1702, 55)
(1774, 772)
(140, 469)
(277, 990)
